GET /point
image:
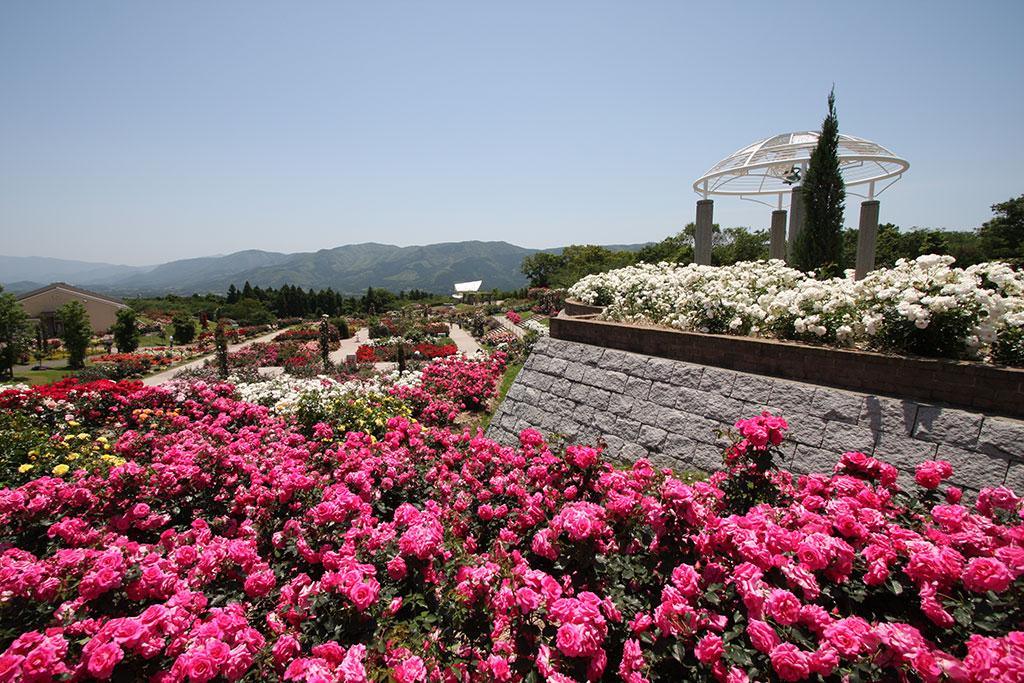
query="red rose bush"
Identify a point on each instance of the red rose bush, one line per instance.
(229, 544)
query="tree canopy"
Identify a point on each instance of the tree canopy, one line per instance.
(15, 332)
(819, 245)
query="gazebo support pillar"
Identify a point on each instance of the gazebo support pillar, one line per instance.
(867, 235)
(796, 219)
(702, 234)
(777, 246)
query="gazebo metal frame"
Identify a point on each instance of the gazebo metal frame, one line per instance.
(773, 165)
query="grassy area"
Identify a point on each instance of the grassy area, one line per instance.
(40, 376)
(152, 340)
(511, 372)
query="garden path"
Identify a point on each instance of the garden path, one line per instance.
(162, 377)
(348, 346)
(464, 340)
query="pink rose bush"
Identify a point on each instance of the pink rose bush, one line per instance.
(231, 545)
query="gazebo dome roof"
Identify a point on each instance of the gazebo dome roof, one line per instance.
(762, 168)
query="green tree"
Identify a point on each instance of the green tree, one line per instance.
(76, 332)
(1002, 237)
(819, 246)
(220, 341)
(740, 244)
(126, 331)
(377, 301)
(15, 332)
(233, 295)
(541, 267)
(248, 312)
(184, 327)
(581, 260)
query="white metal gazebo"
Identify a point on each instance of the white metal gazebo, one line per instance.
(773, 165)
(771, 169)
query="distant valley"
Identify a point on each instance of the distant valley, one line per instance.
(349, 269)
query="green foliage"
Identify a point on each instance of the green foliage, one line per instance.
(368, 414)
(819, 244)
(893, 244)
(1008, 348)
(19, 434)
(126, 331)
(674, 248)
(248, 311)
(221, 342)
(325, 343)
(342, 325)
(28, 451)
(184, 327)
(15, 332)
(1002, 237)
(540, 268)
(77, 331)
(575, 262)
(377, 301)
(739, 244)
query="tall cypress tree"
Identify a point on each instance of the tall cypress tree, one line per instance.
(819, 245)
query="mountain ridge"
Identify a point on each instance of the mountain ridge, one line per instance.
(349, 269)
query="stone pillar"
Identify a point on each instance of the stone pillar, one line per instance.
(777, 247)
(796, 219)
(702, 235)
(866, 237)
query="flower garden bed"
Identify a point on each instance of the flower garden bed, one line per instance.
(924, 307)
(201, 536)
(388, 351)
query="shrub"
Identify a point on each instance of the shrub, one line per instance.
(367, 413)
(184, 328)
(126, 331)
(76, 332)
(341, 324)
(230, 544)
(924, 306)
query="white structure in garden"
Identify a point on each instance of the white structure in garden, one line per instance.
(770, 170)
(464, 288)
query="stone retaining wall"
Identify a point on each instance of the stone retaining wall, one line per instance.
(669, 411)
(967, 384)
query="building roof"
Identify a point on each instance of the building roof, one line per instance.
(473, 286)
(74, 290)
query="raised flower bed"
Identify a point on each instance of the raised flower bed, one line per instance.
(763, 325)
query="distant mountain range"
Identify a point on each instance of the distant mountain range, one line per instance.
(349, 269)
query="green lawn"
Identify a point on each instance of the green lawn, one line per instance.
(511, 372)
(40, 376)
(152, 340)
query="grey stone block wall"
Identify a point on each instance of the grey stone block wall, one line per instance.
(669, 411)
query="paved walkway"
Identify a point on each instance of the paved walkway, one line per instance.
(510, 326)
(162, 377)
(348, 346)
(464, 340)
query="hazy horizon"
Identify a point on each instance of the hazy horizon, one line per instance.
(140, 134)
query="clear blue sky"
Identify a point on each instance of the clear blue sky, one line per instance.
(138, 132)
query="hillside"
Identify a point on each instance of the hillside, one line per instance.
(349, 269)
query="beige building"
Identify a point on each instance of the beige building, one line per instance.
(42, 304)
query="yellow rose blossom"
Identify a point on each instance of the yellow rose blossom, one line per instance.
(61, 469)
(25, 468)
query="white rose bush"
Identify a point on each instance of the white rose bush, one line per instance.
(925, 306)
